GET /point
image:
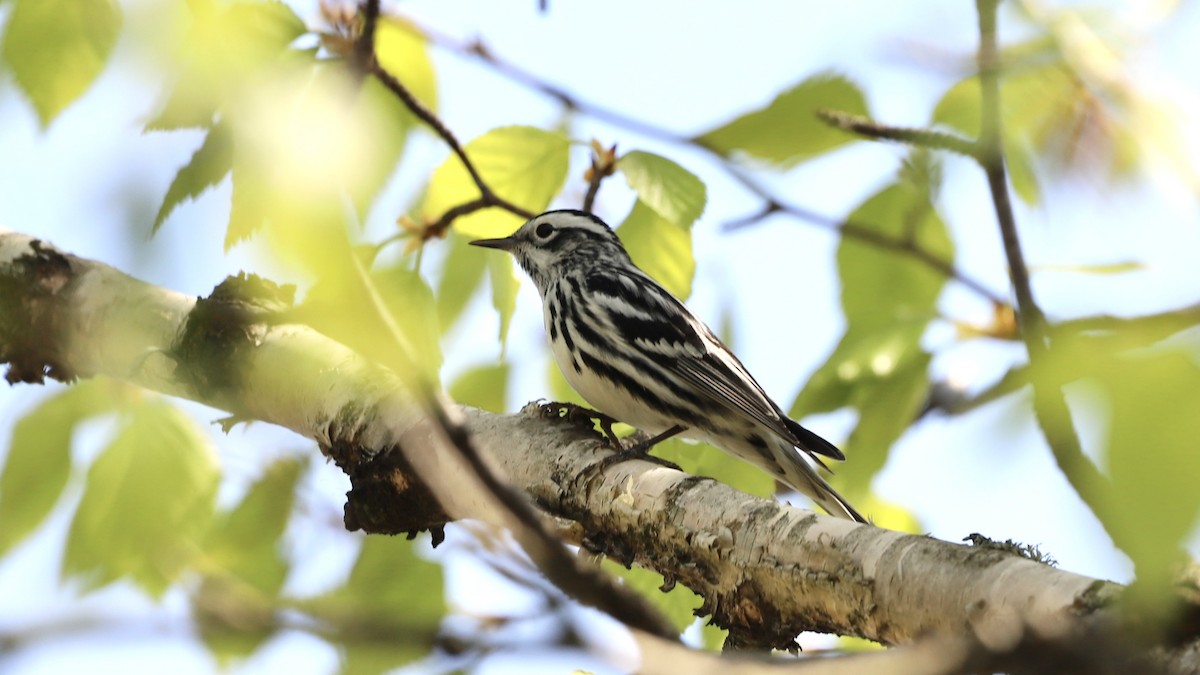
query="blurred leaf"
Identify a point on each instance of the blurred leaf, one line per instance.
(388, 611)
(211, 162)
(787, 131)
(461, 276)
(343, 307)
(236, 603)
(889, 298)
(524, 165)
(677, 605)
(405, 55)
(304, 141)
(226, 48)
(39, 457)
(1152, 457)
(505, 284)
(670, 190)
(712, 636)
(702, 459)
(660, 247)
(881, 286)
(1111, 268)
(245, 541)
(887, 406)
(148, 499)
(483, 387)
(56, 49)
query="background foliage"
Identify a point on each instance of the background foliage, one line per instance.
(300, 164)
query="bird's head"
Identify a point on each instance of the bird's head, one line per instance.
(549, 245)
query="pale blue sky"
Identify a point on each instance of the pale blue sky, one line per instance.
(92, 179)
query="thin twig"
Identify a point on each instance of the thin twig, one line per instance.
(586, 584)
(604, 164)
(365, 50)
(1049, 403)
(925, 138)
(869, 235)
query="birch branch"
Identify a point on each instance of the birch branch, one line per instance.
(765, 570)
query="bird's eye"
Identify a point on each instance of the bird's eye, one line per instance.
(544, 230)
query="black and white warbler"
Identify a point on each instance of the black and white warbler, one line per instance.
(636, 353)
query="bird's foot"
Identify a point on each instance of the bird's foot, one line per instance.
(639, 450)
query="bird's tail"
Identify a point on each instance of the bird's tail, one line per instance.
(800, 474)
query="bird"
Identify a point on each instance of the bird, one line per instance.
(637, 354)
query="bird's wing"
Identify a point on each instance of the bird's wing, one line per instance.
(647, 315)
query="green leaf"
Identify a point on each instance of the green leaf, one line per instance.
(788, 131)
(245, 542)
(211, 162)
(677, 605)
(524, 165)
(882, 286)
(404, 54)
(388, 611)
(148, 500)
(461, 276)
(57, 48)
(505, 284)
(483, 387)
(888, 298)
(887, 406)
(39, 457)
(227, 50)
(860, 358)
(660, 247)
(1152, 401)
(239, 595)
(670, 190)
(701, 459)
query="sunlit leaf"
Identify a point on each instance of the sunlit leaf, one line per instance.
(1152, 457)
(483, 387)
(460, 278)
(505, 284)
(524, 165)
(148, 499)
(787, 131)
(39, 457)
(237, 601)
(56, 49)
(405, 55)
(881, 286)
(660, 247)
(226, 47)
(388, 611)
(671, 191)
(879, 367)
(1102, 269)
(211, 162)
(245, 542)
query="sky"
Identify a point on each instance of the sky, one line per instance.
(684, 67)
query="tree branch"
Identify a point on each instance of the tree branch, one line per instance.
(765, 570)
(365, 54)
(925, 138)
(478, 50)
(1049, 403)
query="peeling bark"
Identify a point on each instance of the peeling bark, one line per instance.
(765, 570)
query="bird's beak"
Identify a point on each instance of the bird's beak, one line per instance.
(504, 243)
